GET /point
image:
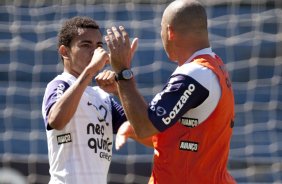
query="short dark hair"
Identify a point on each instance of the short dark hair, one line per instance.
(69, 29)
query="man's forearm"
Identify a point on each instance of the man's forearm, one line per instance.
(64, 109)
(135, 108)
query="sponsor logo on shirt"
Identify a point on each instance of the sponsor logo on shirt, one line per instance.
(160, 111)
(102, 112)
(187, 93)
(64, 138)
(101, 145)
(189, 122)
(59, 91)
(188, 146)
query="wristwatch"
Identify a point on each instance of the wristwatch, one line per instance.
(125, 74)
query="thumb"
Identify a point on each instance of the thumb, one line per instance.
(134, 46)
(120, 141)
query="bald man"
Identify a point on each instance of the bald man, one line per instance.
(190, 121)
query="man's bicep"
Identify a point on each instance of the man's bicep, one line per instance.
(179, 95)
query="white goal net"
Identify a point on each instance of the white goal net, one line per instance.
(246, 34)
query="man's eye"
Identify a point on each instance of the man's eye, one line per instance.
(100, 45)
(85, 45)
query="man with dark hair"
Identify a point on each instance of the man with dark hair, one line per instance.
(191, 119)
(80, 120)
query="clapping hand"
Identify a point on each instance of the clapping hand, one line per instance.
(106, 81)
(121, 51)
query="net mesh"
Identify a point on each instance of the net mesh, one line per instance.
(247, 35)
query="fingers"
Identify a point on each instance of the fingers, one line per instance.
(111, 39)
(134, 46)
(102, 52)
(106, 77)
(125, 36)
(109, 42)
(106, 81)
(109, 76)
(120, 141)
(118, 42)
(117, 37)
(99, 58)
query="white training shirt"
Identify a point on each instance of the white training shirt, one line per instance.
(82, 151)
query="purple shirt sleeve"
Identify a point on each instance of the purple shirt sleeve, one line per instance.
(118, 115)
(179, 95)
(54, 91)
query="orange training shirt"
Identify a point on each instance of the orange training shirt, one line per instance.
(198, 155)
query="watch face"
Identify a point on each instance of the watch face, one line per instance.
(127, 74)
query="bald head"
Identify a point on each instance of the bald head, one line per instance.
(186, 16)
(184, 29)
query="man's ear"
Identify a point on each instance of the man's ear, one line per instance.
(170, 32)
(63, 51)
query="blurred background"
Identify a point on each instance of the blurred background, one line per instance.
(247, 34)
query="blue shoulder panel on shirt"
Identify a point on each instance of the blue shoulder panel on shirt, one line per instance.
(179, 95)
(54, 91)
(118, 115)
